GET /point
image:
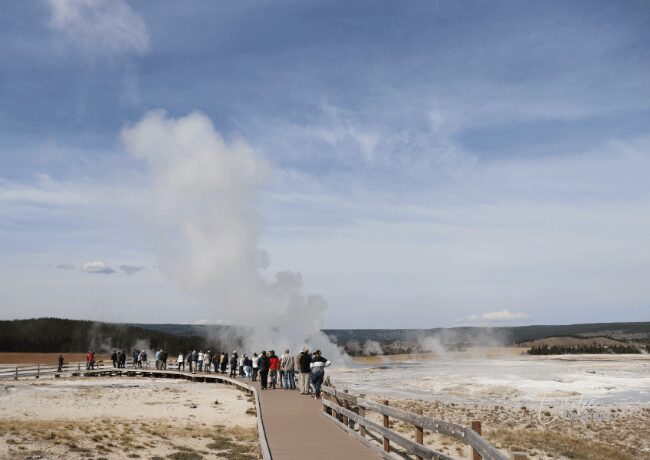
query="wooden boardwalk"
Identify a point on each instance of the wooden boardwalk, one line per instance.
(296, 430)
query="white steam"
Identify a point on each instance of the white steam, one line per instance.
(201, 208)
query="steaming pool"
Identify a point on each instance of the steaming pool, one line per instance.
(502, 376)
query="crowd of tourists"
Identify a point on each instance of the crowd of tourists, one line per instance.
(303, 371)
(271, 370)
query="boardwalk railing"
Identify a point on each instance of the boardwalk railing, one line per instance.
(79, 369)
(42, 370)
(349, 412)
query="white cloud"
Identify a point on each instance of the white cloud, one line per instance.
(500, 315)
(97, 267)
(100, 26)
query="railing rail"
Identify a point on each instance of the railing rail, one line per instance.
(349, 410)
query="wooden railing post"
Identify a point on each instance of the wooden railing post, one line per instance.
(519, 456)
(327, 397)
(476, 426)
(362, 414)
(386, 425)
(346, 404)
(419, 432)
(38, 371)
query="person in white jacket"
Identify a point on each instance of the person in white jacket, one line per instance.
(181, 361)
(256, 360)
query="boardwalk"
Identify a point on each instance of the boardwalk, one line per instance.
(295, 429)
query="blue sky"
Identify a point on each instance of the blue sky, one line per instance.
(434, 163)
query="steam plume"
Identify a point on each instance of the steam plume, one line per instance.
(203, 190)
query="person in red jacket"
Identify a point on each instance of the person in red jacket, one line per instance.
(274, 367)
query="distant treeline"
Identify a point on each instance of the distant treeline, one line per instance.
(508, 335)
(594, 348)
(54, 335)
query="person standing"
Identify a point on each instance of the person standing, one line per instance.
(241, 366)
(216, 361)
(318, 365)
(304, 365)
(287, 368)
(274, 367)
(180, 361)
(263, 366)
(281, 372)
(195, 358)
(233, 364)
(201, 358)
(224, 362)
(190, 360)
(248, 367)
(255, 364)
(207, 361)
(60, 369)
(114, 358)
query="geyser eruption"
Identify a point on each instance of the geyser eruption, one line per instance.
(206, 230)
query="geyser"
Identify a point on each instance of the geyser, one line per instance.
(201, 210)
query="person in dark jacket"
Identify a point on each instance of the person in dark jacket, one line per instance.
(304, 365)
(114, 358)
(224, 362)
(60, 369)
(263, 365)
(234, 358)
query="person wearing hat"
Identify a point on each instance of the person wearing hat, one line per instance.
(304, 362)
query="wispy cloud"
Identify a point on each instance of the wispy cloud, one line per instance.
(97, 268)
(66, 266)
(131, 269)
(496, 316)
(100, 26)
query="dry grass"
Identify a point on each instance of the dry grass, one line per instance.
(564, 445)
(623, 434)
(115, 438)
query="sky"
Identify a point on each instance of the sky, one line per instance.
(432, 163)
